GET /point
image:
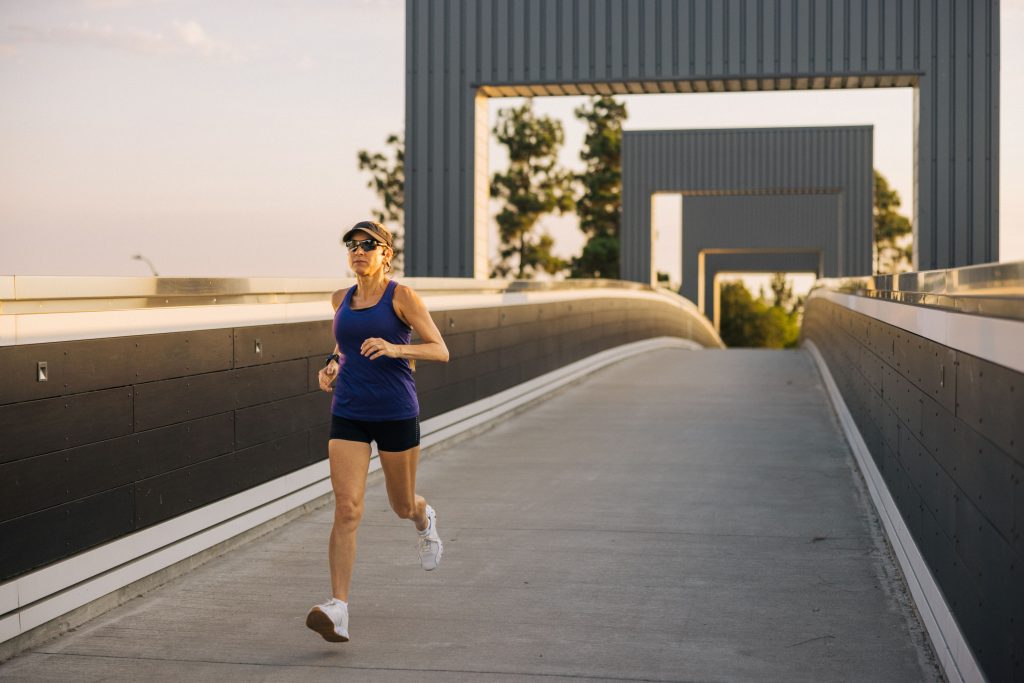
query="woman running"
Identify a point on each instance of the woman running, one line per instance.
(374, 400)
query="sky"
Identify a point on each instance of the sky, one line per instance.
(220, 139)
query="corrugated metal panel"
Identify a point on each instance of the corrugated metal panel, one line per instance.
(767, 161)
(755, 222)
(949, 50)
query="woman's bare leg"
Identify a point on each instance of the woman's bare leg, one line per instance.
(400, 478)
(350, 461)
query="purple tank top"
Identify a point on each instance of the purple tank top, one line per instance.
(373, 390)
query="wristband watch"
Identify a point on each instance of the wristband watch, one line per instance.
(335, 357)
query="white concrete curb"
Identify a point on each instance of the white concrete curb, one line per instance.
(957, 660)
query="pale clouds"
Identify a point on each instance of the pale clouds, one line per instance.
(88, 35)
(7, 50)
(195, 37)
(181, 38)
(118, 4)
(381, 4)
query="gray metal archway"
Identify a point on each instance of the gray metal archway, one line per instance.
(764, 188)
(460, 53)
(764, 224)
(751, 187)
(713, 262)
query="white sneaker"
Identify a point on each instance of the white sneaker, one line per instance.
(429, 544)
(330, 620)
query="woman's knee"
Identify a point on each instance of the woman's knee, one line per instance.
(347, 512)
(405, 510)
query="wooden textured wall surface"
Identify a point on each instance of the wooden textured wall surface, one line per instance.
(945, 430)
(131, 431)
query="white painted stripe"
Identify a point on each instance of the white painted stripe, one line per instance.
(8, 597)
(60, 603)
(957, 660)
(35, 328)
(61, 575)
(10, 626)
(61, 587)
(997, 340)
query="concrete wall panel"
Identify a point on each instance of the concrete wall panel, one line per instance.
(947, 444)
(131, 453)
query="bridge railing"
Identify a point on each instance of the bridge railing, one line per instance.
(927, 370)
(145, 420)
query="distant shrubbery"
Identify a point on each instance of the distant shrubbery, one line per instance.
(751, 322)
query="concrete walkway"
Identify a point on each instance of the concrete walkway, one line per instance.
(680, 516)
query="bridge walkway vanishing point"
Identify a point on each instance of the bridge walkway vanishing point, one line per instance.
(678, 516)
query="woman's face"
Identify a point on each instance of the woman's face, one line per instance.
(365, 263)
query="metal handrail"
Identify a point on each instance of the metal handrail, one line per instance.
(60, 294)
(993, 290)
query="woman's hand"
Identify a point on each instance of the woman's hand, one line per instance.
(328, 376)
(375, 347)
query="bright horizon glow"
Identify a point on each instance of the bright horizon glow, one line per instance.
(150, 127)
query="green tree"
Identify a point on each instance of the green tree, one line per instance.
(782, 290)
(744, 318)
(783, 297)
(600, 203)
(890, 227)
(784, 313)
(387, 179)
(532, 186)
(750, 322)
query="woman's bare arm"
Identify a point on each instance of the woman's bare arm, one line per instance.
(411, 309)
(336, 300)
(329, 373)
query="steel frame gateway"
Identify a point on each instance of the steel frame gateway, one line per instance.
(460, 53)
(766, 225)
(751, 187)
(713, 263)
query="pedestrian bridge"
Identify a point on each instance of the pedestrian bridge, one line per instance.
(620, 497)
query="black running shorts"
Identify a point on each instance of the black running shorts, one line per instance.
(391, 435)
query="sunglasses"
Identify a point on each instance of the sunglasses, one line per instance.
(367, 245)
